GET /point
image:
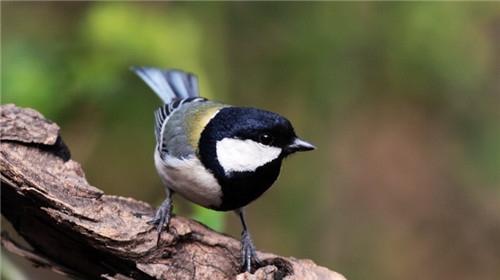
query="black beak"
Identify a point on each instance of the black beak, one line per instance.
(299, 145)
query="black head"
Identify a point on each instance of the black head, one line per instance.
(260, 126)
(244, 148)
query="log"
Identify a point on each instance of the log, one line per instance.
(75, 229)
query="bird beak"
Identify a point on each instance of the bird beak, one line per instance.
(299, 145)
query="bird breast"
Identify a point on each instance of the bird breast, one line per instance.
(188, 177)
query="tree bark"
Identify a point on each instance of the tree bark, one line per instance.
(75, 229)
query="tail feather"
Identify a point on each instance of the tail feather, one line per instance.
(169, 84)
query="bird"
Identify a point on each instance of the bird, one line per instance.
(216, 155)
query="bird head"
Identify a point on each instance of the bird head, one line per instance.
(244, 139)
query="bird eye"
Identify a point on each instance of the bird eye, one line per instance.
(266, 139)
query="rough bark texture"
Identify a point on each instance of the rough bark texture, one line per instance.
(77, 230)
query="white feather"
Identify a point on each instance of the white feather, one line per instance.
(189, 178)
(244, 155)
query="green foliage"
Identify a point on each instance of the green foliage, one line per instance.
(213, 219)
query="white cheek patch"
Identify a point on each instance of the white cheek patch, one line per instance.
(244, 155)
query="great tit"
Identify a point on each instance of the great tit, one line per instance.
(216, 155)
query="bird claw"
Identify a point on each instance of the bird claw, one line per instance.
(248, 253)
(162, 218)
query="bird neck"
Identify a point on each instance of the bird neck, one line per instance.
(238, 187)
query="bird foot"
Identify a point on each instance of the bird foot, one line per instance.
(248, 253)
(162, 217)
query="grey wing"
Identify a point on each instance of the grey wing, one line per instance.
(170, 129)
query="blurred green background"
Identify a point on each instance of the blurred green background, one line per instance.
(401, 99)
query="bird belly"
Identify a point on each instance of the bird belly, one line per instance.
(188, 177)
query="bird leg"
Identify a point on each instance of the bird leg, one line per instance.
(163, 215)
(248, 253)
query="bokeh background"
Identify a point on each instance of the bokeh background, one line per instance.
(401, 99)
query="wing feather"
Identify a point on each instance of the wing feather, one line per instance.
(161, 118)
(169, 84)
